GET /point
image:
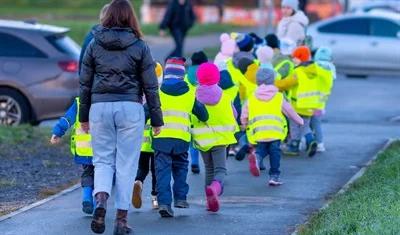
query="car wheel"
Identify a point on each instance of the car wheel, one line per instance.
(14, 109)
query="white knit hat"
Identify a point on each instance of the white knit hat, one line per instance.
(294, 4)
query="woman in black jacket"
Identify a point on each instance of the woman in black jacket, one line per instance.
(179, 18)
(117, 69)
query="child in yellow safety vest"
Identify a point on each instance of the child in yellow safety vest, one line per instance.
(303, 85)
(146, 159)
(214, 136)
(81, 149)
(263, 115)
(197, 59)
(171, 146)
(327, 73)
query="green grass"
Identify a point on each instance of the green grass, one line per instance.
(370, 206)
(22, 133)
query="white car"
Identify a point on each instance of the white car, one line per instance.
(362, 44)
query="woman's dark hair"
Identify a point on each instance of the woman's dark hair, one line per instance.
(120, 13)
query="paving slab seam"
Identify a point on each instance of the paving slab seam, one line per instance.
(350, 182)
(39, 203)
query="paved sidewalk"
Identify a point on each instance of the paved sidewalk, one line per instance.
(357, 126)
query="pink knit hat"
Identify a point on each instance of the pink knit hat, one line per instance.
(228, 47)
(208, 74)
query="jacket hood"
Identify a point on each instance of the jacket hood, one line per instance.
(209, 95)
(114, 39)
(266, 92)
(310, 68)
(299, 17)
(174, 87)
(191, 75)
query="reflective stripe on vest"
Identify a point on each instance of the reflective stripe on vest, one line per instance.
(176, 115)
(266, 120)
(220, 128)
(80, 141)
(265, 117)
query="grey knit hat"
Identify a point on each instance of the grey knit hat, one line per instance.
(265, 76)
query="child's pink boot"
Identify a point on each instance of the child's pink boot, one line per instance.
(212, 193)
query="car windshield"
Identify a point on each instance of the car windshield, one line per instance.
(64, 44)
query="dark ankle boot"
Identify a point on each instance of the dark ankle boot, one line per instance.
(121, 223)
(98, 222)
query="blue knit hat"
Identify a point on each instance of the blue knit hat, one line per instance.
(175, 68)
(323, 54)
(245, 42)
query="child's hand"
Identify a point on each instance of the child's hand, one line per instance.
(55, 139)
(156, 130)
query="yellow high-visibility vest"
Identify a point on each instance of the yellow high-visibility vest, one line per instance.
(325, 85)
(220, 128)
(281, 64)
(306, 95)
(266, 120)
(236, 75)
(176, 114)
(80, 141)
(147, 139)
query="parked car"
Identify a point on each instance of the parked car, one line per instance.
(388, 5)
(38, 72)
(362, 44)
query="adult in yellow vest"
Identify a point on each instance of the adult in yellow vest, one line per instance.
(214, 136)
(197, 59)
(305, 98)
(81, 149)
(146, 159)
(172, 144)
(327, 73)
(263, 115)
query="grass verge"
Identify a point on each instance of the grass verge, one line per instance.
(370, 206)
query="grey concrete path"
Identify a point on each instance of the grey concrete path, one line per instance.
(357, 126)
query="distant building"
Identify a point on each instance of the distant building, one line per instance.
(240, 12)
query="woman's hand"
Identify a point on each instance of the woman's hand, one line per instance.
(85, 127)
(55, 139)
(156, 130)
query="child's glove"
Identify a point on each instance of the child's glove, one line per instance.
(55, 139)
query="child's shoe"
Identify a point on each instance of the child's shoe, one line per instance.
(321, 148)
(154, 202)
(87, 200)
(311, 145)
(166, 211)
(137, 194)
(293, 148)
(181, 204)
(253, 164)
(274, 180)
(212, 193)
(243, 151)
(195, 169)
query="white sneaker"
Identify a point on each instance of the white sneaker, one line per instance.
(321, 148)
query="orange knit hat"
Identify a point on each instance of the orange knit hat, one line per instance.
(302, 53)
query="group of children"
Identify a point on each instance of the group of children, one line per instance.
(254, 93)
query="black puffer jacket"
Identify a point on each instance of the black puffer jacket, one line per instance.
(117, 66)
